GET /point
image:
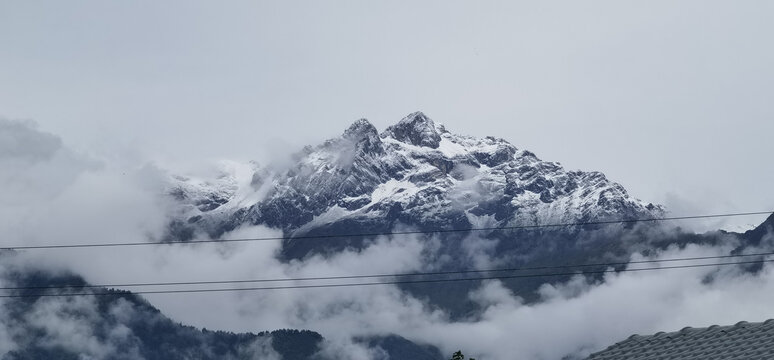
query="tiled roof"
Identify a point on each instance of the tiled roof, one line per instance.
(744, 340)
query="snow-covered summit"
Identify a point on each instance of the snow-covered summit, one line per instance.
(416, 129)
(364, 135)
(414, 173)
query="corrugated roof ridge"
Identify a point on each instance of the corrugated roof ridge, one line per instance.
(691, 330)
(668, 338)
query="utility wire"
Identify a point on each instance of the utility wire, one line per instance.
(341, 236)
(426, 281)
(393, 275)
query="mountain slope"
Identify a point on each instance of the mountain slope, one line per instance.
(122, 325)
(415, 173)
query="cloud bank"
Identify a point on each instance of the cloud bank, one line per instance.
(53, 195)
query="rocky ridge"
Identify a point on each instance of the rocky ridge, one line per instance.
(414, 173)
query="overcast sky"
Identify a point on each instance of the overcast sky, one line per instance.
(672, 99)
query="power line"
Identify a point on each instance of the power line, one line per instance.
(367, 276)
(426, 281)
(413, 232)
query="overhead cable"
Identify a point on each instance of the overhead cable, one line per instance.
(396, 282)
(356, 235)
(389, 275)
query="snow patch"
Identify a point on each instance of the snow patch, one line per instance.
(394, 190)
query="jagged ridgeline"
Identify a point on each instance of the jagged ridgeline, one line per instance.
(417, 175)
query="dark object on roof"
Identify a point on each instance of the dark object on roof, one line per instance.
(749, 341)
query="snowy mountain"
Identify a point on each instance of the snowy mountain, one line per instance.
(414, 173)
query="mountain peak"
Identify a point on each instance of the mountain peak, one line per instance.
(359, 129)
(364, 135)
(415, 173)
(416, 129)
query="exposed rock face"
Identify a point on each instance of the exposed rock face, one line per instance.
(416, 129)
(415, 173)
(364, 136)
(419, 175)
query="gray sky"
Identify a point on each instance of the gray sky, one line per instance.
(672, 99)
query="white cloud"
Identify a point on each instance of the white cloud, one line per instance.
(106, 203)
